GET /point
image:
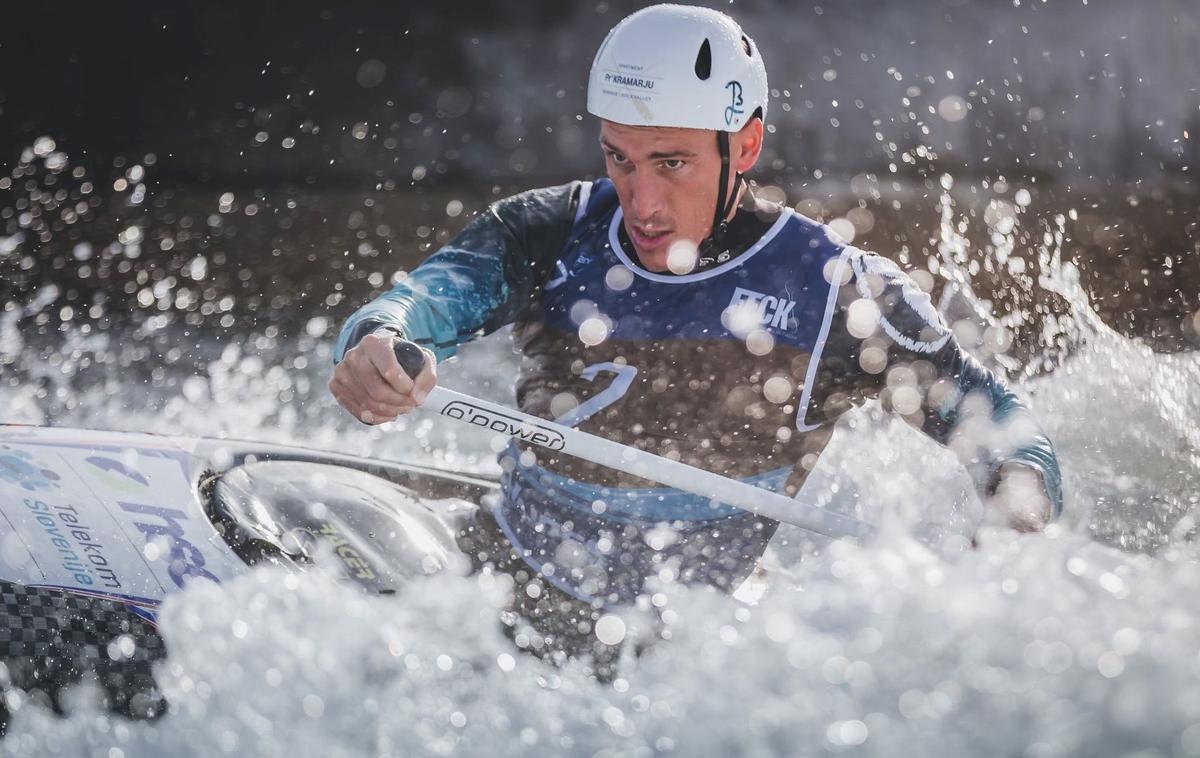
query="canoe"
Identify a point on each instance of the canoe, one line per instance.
(99, 527)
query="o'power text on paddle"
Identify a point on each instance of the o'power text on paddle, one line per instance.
(547, 434)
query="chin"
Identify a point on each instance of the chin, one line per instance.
(655, 260)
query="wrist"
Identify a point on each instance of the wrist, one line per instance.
(387, 330)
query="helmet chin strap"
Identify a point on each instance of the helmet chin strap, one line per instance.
(725, 199)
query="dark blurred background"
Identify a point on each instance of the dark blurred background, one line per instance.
(247, 165)
(357, 93)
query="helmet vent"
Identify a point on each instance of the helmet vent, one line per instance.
(746, 46)
(704, 61)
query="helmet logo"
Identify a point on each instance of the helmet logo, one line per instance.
(628, 81)
(735, 107)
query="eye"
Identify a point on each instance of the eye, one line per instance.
(673, 164)
(616, 158)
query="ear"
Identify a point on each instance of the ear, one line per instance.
(747, 145)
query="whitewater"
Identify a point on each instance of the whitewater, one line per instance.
(1084, 640)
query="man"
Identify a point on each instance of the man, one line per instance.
(667, 308)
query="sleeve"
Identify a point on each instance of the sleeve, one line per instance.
(487, 276)
(925, 375)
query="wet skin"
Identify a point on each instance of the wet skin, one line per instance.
(666, 180)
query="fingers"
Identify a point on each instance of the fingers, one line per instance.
(376, 350)
(374, 368)
(371, 385)
(380, 354)
(361, 407)
(427, 379)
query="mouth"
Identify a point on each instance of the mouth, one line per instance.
(647, 239)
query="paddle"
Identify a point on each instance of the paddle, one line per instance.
(563, 439)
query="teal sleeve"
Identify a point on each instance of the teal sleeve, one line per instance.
(1012, 435)
(487, 276)
(966, 405)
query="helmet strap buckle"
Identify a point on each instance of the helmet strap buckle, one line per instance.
(725, 199)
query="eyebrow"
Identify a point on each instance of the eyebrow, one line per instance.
(653, 156)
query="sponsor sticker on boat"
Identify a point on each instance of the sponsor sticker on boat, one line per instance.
(121, 523)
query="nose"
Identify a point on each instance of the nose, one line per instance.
(646, 196)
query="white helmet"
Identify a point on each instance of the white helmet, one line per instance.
(678, 66)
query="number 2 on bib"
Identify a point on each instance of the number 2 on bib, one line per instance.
(605, 397)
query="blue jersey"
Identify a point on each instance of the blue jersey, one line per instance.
(741, 367)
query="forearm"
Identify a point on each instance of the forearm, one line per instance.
(966, 406)
(484, 278)
(983, 421)
(442, 304)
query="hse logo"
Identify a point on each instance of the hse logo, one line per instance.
(184, 560)
(20, 468)
(117, 475)
(748, 309)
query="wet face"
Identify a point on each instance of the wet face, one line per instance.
(666, 180)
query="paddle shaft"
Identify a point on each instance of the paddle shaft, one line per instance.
(558, 438)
